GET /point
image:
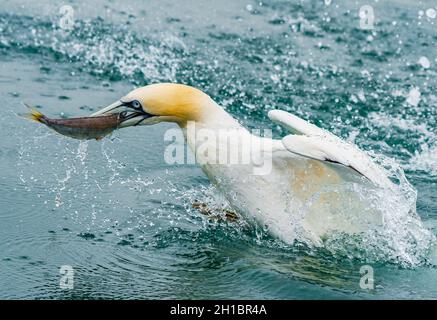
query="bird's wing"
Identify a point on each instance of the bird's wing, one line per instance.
(294, 124)
(316, 143)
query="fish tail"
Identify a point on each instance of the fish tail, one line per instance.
(34, 114)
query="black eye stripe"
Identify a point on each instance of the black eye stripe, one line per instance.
(134, 104)
(139, 111)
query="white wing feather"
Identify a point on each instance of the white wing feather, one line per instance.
(319, 144)
(295, 124)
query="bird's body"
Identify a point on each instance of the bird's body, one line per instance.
(291, 195)
(306, 185)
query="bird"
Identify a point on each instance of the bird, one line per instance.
(304, 186)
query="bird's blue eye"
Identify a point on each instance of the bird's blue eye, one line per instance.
(136, 104)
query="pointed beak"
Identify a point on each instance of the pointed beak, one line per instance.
(116, 107)
(129, 116)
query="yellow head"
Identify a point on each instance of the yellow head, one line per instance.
(161, 102)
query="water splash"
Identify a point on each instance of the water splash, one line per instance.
(425, 160)
(96, 48)
(401, 238)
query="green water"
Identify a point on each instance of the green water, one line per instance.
(122, 218)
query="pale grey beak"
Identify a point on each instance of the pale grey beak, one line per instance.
(116, 107)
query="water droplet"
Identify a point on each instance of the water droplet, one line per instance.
(424, 62)
(431, 13)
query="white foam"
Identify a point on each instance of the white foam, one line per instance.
(387, 121)
(425, 160)
(413, 97)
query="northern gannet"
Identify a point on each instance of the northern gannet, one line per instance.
(299, 193)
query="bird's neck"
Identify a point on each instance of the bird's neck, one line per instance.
(213, 117)
(213, 128)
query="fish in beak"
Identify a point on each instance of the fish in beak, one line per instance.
(120, 114)
(82, 128)
(147, 105)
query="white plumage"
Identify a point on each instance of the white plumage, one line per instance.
(316, 184)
